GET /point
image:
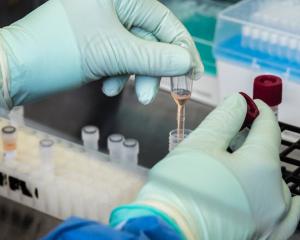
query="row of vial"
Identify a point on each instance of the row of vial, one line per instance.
(272, 43)
(121, 150)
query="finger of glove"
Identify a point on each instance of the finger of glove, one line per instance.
(288, 226)
(143, 57)
(264, 135)
(112, 86)
(220, 126)
(154, 17)
(146, 87)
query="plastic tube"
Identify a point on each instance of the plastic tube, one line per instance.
(90, 136)
(115, 145)
(131, 150)
(9, 138)
(46, 154)
(174, 140)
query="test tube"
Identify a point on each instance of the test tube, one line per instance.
(268, 88)
(46, 154)
(174, 140)
(90, 136)
(16, 116)
(9, 138)
(130, 151)
(115, 145)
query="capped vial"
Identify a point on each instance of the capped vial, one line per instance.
(46, 154)
(174, 140)
(16, 116)
(131, 150)
(115, 145)
(268, 88)
(9, 139)
(90, 136)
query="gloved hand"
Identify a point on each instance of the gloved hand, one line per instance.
(66, 43)
(207, 193)
(145, 228)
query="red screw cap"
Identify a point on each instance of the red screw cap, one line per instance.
(252, 111)
(269, 89)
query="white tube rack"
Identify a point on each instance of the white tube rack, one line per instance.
(81, 183)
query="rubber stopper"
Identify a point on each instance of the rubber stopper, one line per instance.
(268, 88)
(252, 111)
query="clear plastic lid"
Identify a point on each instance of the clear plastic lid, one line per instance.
(262, 31)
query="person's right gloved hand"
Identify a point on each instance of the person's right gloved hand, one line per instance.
(65, 43)
(207, 193)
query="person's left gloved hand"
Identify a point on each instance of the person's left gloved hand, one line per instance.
(145, 228)
(66, 43)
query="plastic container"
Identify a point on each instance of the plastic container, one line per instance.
(130, 152)
(115, 145)
(174, 140)
(90, 136)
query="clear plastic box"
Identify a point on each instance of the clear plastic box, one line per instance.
(261, 32)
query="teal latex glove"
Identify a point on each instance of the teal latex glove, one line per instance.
(66, 43)
(207, 193)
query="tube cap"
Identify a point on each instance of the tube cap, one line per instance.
(269, 89)
(252, 111)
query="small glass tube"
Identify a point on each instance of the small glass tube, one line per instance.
(131, 150)
(115, 145)
(46, 154)
(9, 138)
(181, 90)
(90, 136)
(174, 140)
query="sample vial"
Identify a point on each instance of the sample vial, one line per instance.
(130, 151)
(90, 136)
(115, 145)
(9, 138)
(16, 116)
(268, 88)
(46, 154)
(174, 140)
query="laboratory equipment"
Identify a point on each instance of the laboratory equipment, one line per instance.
(46, 154)
(9, 140)
(130, 151)
(258, 37)
(174, 140)
(115, 146)
(269, 89)
(90, 137)
(62, 179)
(16, 116)
(181, 91)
